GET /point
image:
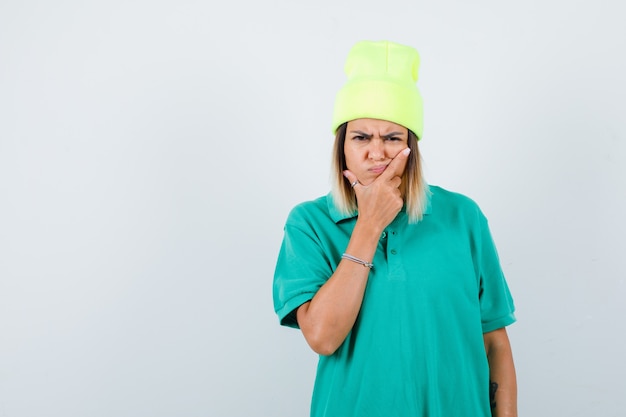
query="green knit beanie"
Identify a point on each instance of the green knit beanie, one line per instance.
(381, 85)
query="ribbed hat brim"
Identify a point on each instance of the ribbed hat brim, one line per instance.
(380, 99)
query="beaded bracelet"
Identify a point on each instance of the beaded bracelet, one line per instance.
(357, 260)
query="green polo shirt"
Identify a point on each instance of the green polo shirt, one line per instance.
(416, 348)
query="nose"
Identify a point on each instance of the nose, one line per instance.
(376, 150)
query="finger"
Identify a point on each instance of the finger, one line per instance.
(352, 179)
(397, 165)
(395, 182)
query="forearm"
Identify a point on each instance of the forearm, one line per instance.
(328, 318)
(502, 375)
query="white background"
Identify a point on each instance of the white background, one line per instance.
(150, 152)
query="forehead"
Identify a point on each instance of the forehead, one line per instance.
(375, 125)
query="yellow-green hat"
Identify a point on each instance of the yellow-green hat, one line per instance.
(381, 84)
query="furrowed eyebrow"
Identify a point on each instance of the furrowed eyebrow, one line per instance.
(392, 134)
(369, 136)
(365, 135)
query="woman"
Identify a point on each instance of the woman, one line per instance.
(396, 284)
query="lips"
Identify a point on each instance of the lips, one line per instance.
(378, 169)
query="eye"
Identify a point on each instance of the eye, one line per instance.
(394, 138)
(359, 138)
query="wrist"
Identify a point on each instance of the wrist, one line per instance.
(369, 229)
(364, 241)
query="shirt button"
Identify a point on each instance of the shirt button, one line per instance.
(393, 251)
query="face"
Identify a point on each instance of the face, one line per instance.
(370, 146)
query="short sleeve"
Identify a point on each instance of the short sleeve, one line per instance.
(496, 303)
(301, 269)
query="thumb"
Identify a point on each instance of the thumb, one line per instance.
(352, 179)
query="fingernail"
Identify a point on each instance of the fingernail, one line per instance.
(345, 174)
(407, 151)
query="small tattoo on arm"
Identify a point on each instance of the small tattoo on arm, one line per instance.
(493, 387)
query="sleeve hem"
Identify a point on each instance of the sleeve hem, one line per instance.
(286, 314)
(499, 323)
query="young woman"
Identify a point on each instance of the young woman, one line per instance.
(394, 283)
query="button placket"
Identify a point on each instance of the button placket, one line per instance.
(396, 270)
(392, 242)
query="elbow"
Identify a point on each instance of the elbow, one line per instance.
(324, 349)
(323, 337)
(322, 344)
(322, 340)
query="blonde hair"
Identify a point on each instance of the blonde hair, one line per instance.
(413, 187)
